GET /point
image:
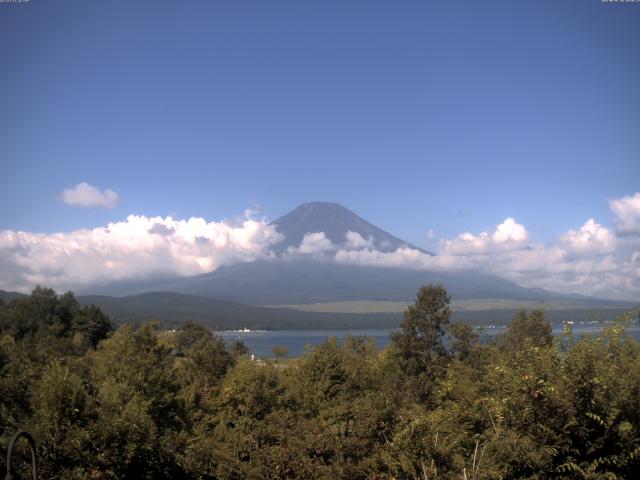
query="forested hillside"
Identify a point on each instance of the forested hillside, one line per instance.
(173, 309)
(148, 403)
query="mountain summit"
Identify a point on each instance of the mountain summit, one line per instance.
(293, 280)
(335, 221)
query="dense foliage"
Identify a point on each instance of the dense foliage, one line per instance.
(148, 403)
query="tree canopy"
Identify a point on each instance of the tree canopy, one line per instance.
(143, 402)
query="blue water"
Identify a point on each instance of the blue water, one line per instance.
(261, 343)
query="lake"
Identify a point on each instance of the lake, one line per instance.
(261, 342)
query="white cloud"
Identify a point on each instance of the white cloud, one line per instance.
(137, 247)
(509, 235)
(589, 260)
(315, 243)
(627, 212)
(552, 268)
(510, 232)
(357, 241)
(591, 238)
(431, 234)
(403, 257)
(85, 195)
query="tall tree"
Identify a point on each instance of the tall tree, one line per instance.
(418, 345)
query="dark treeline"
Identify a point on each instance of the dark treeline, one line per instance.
(145, 403)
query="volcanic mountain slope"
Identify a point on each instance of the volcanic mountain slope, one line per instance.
(303, 279)
(335, 221)
(302, 282)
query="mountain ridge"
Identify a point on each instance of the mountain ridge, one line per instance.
(280, 282)
(173, 309)
(297, 278)
(335, 221)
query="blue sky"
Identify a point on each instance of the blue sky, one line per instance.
(416, 115)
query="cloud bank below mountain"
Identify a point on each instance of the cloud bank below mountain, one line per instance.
(590, 259)
(135, 248)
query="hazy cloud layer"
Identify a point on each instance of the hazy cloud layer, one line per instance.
(137, 247)
(403, 257)
(589, 259)
(88, 196)
(578, 263)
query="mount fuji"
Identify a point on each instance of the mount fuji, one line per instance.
(304, 279)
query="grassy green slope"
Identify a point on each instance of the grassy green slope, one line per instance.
(172, 309)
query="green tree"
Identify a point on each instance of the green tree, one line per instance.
(92, 324)
(203, 360)
(60, 418)
(44, 314)
(528, 328)
(464, 341)
(418, 345)
(141, 417)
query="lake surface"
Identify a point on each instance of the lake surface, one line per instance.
(261, 343)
